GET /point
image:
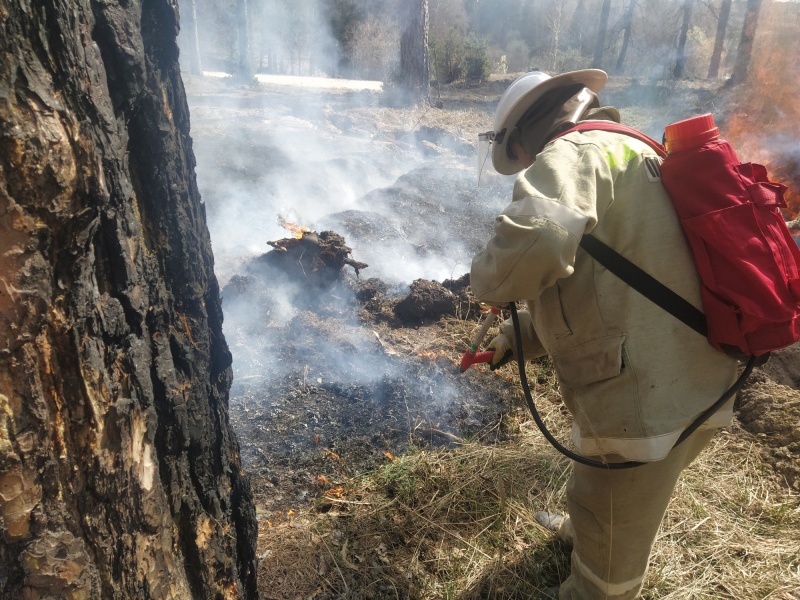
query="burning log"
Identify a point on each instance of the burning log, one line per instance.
(316, 258)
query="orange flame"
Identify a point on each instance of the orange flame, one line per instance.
(764, 122)
(334, 492)
(433, 356)
(332, 454)
(322, 480)
(296, 230)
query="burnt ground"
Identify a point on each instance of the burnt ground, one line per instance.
(356, 376)
(342, 230)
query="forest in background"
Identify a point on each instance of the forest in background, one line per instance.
(469, 39)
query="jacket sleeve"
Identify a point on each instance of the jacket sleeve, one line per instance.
(536, 237)
(531, 346)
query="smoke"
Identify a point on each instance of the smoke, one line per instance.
(263, 166)
(406, 204)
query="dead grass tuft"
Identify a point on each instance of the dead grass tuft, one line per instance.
(458, 523)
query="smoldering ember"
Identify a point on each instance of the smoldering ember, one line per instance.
(343, 231)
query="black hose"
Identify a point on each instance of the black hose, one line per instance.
(751, 363)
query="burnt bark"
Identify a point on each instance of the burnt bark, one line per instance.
(719, 41)
(119, 472)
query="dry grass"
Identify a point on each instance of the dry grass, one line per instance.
(458, 524)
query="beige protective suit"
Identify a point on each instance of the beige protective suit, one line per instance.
(633, 376)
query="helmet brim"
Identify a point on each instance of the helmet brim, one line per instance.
(594, 79)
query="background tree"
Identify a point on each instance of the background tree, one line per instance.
(579, 29)
(600, 40)
(745, 52)
(119, 472)
(680, 61)
(414, 77)
(556, 21)
(627, 27)
(245, 68)
(190, 47)
(719, 40)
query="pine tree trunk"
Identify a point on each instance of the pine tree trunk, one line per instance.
(626, 38)
(245, 72)
(600, 41)
(578, 30)
(722, 27)
(745, 51)
(119, 472)
(189, 22)
(414, 60)
(680, 62)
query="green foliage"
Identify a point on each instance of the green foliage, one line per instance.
(448, 56)
(476, 58)
(401, 478)
(455, 56)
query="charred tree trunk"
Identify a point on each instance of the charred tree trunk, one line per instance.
(680, 61)
(722, 27)
(119, 473)
(626, 38)
(414, 60)
(745, 51)
(600, 41)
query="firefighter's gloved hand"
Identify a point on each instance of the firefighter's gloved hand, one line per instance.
(501, 346)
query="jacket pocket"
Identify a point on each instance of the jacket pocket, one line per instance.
(553, 313)
(591, 362)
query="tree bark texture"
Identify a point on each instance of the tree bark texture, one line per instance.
(745, 51)
(414, 60)
(719, 41)
(119, 472)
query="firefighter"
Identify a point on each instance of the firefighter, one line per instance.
(632, 376)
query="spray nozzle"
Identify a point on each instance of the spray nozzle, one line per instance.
(472, 356)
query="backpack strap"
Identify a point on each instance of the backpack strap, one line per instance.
(644, 283)
(616, 128)
(648, 286)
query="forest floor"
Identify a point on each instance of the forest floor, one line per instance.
(342, 228)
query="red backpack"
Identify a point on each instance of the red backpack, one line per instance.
(745, 255)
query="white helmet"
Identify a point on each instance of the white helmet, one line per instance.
(520, 96)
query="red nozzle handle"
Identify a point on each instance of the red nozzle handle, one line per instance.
(471, 358)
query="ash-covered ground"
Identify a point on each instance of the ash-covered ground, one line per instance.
(342, 231)
(335, 221)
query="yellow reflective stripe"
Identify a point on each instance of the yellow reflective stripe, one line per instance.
(622, 153)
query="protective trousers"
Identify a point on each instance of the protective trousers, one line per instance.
(614, 517)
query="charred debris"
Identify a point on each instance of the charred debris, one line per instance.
(337, 372)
